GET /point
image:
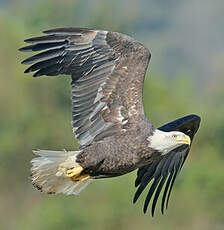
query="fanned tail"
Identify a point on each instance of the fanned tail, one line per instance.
(49, 172)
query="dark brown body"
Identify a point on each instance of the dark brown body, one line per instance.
(118, 155)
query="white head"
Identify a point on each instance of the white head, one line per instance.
(164, 142)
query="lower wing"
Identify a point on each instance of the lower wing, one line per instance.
(165, 169)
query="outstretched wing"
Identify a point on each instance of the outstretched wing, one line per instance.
(167, 167)
(107, 70)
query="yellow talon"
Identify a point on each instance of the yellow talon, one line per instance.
(84, 177)
(74, 172)
(80, 178)
(75, 176)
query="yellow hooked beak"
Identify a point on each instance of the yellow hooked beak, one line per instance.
(184, 140)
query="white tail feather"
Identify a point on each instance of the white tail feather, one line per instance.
(49, 172)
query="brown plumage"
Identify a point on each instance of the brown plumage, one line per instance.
(107, 71)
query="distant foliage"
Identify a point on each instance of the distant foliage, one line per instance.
(35, 113)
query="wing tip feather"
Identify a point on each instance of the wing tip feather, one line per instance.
(68, 30)
(192, 121)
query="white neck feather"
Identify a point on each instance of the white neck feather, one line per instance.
(161, 142)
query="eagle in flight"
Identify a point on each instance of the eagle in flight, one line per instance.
(107, 70)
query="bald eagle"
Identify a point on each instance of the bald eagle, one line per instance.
(107, 72)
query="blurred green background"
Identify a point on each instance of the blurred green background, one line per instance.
(186, 76)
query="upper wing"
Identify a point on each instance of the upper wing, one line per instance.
(107, 71)
(167, 166)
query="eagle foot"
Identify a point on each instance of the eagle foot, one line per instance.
(74, 172)
(80, 178)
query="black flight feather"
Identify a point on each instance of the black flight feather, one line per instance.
(166, 168)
